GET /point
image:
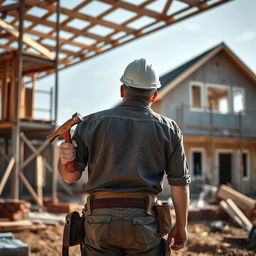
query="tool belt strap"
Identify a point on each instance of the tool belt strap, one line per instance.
(119, 203)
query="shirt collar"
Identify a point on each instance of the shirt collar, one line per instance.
(135, 103)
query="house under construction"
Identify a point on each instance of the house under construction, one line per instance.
(212, 97)
(41, 37)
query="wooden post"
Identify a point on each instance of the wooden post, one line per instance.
(16, 130)
(54, 144)
(40, 178)
(241, 151)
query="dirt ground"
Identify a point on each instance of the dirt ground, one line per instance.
(231, 242)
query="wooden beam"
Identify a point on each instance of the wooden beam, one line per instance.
(9, 7)
(166, 8)
(133, 8)
(85, 17)
(30, 189)
(247, 225)
(27, 40)
(224, 205)
(51, 37)
(7, 174)
(5, 35)
(40, 177)
(64, 28)
(244, 202)
(195, 3)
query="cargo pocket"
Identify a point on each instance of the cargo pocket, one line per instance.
(145, 230)
(97, 228)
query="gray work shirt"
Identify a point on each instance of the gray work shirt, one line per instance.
(128, 148)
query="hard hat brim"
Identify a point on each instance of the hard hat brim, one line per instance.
(140, 86)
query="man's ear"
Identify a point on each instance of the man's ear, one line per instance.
(122, 91)
(154, 97)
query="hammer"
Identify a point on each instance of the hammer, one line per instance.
(64, 131)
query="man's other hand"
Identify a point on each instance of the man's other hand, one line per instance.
(177, 238)
(67, 152)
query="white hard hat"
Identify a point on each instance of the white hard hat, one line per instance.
(141, 74)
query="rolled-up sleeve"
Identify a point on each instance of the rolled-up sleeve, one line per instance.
(81, 150)
(176, 165)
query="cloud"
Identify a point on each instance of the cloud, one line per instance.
(245, 37)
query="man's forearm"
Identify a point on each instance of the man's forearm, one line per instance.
(180, 198)
(68, 177)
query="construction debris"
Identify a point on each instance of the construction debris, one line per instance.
(219, 226)
(14, 209)
(12, 247)
(209, 212)
(244, 202)
(46, 218)
(238, 216)
(21, 225)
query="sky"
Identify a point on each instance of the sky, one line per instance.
(93, 85)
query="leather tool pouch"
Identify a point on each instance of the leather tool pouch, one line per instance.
(163, 218)
(73, 231)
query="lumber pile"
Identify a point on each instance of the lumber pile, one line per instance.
(59, 207)
(14, 209)
(244, 202)
(21, 225)
(235, 204)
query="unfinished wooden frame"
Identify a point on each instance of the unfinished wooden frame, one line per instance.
(84, 33)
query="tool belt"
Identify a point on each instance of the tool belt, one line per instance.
(163, 218)
(100, 200)
(148, 202)
(118, 203)
(73, 231)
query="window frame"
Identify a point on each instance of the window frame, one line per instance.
(201, 85)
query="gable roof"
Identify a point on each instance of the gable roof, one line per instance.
(174, 77)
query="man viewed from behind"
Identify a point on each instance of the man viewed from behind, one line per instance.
(128, 149)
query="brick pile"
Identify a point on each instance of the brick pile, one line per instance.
(14, 209)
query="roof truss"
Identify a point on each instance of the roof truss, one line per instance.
(91, 27)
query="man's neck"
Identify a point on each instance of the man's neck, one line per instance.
(139, 100)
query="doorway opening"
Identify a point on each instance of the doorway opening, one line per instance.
(225, 166)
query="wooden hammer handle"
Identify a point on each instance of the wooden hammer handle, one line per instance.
(71, 166)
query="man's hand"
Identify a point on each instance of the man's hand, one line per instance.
(67, 152)
(177, 238)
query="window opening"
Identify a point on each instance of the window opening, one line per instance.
(245, 165)
(197, 163)
(238, 100)
(218, 99)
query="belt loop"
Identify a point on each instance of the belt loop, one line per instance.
(89, 205)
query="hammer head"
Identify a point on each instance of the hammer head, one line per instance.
(76, 119)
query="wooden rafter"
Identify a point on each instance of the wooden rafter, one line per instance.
(43, 50)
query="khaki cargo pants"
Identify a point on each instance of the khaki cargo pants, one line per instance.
(121, 231)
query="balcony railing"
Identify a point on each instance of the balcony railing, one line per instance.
(208, 122)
